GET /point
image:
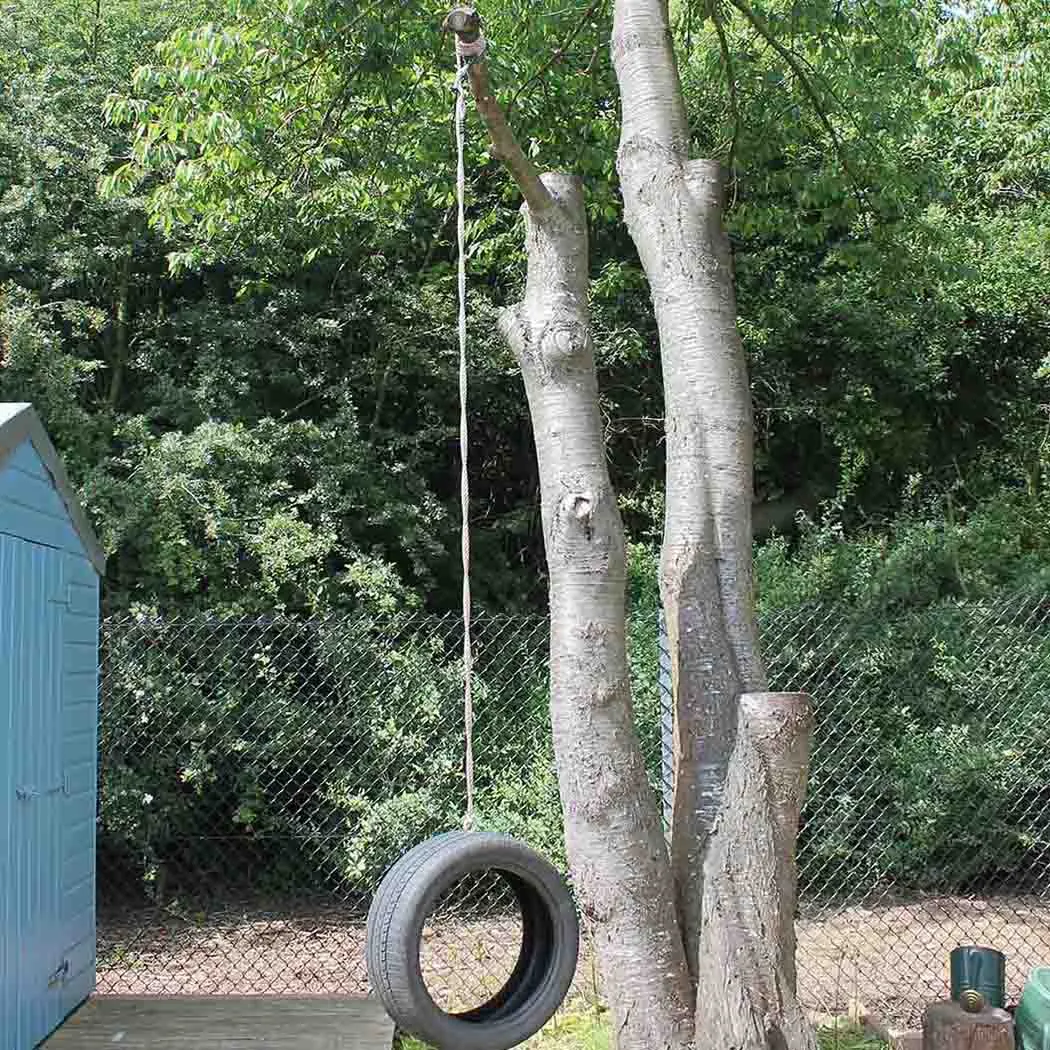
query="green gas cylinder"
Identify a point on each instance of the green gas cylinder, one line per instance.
(978, 969)
(1033, 1012)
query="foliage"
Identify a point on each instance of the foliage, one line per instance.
(923, 649)
(847, 1038)
(210, 242)
(930, 749)
(36, 368)
(854, 216)
(928, 554)
(175, 399)
(890, 270)
(264, 517)
(943, 631)
(329, 740)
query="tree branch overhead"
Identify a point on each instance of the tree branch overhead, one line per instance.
(465, 23)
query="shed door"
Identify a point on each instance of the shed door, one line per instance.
(31, 936)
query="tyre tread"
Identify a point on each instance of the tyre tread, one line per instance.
(391, 970)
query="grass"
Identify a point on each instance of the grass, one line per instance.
(586, 1030)
(579, 1029)
(848, 1038)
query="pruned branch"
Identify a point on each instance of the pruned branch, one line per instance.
(466, 24)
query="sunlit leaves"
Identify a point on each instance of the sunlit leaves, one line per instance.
(273, 190)
(323, 119)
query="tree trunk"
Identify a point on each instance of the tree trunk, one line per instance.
(728, 829)
(746, 981)
(120, 333)
(612, 822)
(674, 213)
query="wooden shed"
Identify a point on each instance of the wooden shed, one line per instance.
(50, 568)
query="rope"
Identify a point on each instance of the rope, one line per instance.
(466, 49)
(463, 54)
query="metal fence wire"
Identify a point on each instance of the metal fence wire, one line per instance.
(258, 776)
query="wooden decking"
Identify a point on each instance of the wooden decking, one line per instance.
(225, 1022)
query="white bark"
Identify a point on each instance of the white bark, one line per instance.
(612, 823)
(734, 820)
(746, 978)
(673, 208)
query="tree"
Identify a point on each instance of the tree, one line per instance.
(696, 948)
(244, 151)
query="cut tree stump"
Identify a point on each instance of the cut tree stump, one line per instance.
(947, 1026)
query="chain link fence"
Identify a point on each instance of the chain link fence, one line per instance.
(259, 775)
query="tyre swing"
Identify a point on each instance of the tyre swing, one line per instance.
(411, 889)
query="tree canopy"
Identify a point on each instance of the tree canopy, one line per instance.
(227, 274)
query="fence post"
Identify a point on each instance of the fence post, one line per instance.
(666, 724)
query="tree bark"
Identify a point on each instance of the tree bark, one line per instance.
(673, 208)
(120, 333)
(746, 980)
(613, 832)
(733, 820)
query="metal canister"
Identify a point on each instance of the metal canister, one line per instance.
(979, 969)
(1033, 1012)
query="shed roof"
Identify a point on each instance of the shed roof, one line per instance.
(20, 423)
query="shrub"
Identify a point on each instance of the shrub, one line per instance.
(308, 754)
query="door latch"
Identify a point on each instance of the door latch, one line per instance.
(59, 975)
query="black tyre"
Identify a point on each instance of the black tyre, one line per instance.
(545, 966)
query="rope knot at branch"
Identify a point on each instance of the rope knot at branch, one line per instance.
(471, 49)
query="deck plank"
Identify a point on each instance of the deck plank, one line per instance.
(225, 1022)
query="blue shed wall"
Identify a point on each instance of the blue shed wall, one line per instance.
(48, 746)
(30, 506)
